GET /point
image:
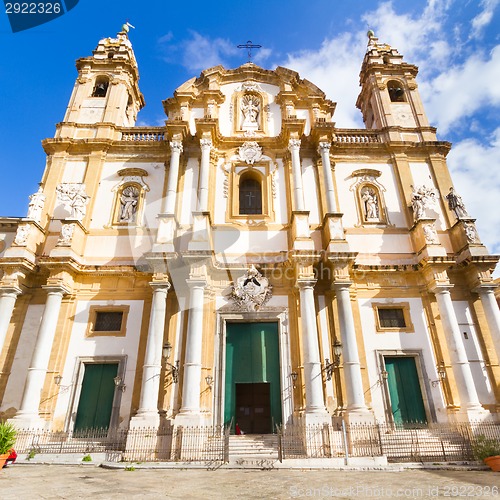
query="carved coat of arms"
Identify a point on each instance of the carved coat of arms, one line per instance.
(251, 291)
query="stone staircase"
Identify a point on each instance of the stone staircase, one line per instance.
(253, 450)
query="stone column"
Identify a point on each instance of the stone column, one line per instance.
(206, 146)
(315, 402)
(469, 401)
(27, 415)
(8, 297)
(352, 367)
(192, 360)
(148, 415)
(298, 192)
(173, 176)
(492, 313)
(324, 150)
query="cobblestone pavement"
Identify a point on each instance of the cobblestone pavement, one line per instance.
(28, 482)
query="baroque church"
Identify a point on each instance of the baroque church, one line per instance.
(246, 263)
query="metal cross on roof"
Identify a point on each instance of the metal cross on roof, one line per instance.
(249, 46)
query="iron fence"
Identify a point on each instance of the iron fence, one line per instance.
(83, 441)
(207, 444)
(399, 443)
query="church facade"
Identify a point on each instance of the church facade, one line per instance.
(248, 262)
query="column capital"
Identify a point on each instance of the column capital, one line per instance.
(196, 282)
(206, 144)
(485, 288)
(59, 289)
(341, 285)
(176, 146)
(294, 145)
(304, 283)
(160, 286)
(440, 289)
(324, 147)
(10, 290)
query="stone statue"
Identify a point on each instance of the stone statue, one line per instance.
(74, 197)
(129, 200)
(430, 234)
(370, 202)
(250, 108)
(422, 198)
(66, 236)
(35, 207)
(471, 232)
(22, 235)
(456, 204)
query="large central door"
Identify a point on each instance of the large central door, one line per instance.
(252, 395)
(404, 390)
(96, 397)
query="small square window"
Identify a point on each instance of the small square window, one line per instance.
(392, 318)
(108, 321)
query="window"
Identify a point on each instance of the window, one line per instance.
(101, 87)
(250, 196)
(396, 91)
(393, 317)
(107, 320)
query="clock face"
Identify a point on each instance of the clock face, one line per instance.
(405, 118)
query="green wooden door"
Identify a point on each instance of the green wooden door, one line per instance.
(404, 390)
(252, 357)
(96, 397)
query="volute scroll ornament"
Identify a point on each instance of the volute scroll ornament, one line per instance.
(251, 291)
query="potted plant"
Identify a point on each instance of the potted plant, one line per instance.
(7, 439)
(487, 450)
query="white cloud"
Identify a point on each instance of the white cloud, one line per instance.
(484, 17)
(462, 90)
(475, 169)
(198, 52)
(334, 68)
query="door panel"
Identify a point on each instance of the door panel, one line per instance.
(252, 358)
(96, 396)
(404, 390)
(253, 408)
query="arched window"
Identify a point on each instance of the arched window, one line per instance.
(250, 195)
(101, 87)
(396, 91)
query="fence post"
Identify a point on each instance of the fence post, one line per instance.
(344, 440)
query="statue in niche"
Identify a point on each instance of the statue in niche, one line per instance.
(456, 204)
(250, 109)
(129, 200)
(35, 206)
(370, 204)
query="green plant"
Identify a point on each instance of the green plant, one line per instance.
(8, 435)
(87, 458)
(485, 447)
(129, 468)
(31, 454)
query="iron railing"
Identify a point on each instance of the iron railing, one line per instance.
(405, 443)
(210, 444)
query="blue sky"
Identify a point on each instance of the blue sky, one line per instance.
(455, 43)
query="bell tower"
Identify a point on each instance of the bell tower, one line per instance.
(106, 90)
(389, 95)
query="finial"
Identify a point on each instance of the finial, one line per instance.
(370, 34)
(126, 27)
